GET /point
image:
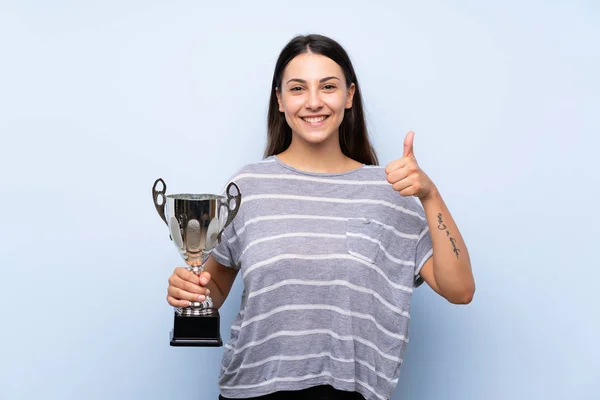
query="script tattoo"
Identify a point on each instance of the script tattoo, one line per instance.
(443, 227)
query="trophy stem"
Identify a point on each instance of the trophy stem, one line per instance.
(197, 308)
(196, 269)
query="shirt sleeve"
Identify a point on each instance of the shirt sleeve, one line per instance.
(424, 251)
(226, 252)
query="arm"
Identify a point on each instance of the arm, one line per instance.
(221, 282)
(448, 272)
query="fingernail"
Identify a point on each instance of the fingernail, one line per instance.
(203, 281)
(202, 297)
(207, 292)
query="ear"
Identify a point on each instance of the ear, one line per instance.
(351, 91)
(278, 93)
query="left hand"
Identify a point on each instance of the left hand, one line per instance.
(406, 176)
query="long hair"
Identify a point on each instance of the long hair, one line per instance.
(354, 138)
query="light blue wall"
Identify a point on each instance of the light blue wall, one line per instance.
(98, 99)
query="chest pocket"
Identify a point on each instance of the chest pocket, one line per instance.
(362, 239)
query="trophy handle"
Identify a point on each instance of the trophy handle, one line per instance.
(160, 208)
(232, 212)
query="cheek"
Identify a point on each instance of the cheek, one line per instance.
(338, 104)
(291, 107)
(340, 109)
(289, 113)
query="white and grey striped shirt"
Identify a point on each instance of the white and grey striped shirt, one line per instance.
(329, 263)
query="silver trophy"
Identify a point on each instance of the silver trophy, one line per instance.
(196, 222)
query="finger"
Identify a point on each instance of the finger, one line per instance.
(409, 186)
(402, 186)
(178, 303)
(187, 275)
(409, 191)
(395, 165)
(397, 175)
(180, 294)
(404, 183)
(408, 145)
(179, 283)
(204, 278)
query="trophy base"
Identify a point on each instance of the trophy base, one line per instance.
(197, 330)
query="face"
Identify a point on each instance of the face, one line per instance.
(313, 97)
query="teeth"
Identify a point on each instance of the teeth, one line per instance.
(314, 120)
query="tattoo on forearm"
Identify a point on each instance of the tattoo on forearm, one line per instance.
(443, 227)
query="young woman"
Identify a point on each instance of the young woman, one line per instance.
(330, 246)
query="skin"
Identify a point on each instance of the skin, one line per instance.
(448, 272)
(314, 86)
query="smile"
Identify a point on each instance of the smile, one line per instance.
(315, 120)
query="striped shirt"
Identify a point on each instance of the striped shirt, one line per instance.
(329, 263)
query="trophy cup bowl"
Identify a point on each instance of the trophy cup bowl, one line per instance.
(196, 223)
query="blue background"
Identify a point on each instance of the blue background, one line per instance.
(98, 99)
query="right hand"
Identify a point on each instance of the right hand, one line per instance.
(185, 287)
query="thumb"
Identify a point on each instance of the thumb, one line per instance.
(408, 145)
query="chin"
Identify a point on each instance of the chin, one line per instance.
(316, 138)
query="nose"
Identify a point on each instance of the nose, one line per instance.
(314, 101)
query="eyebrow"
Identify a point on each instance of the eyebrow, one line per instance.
(320, 81)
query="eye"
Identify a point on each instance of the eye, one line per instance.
(329, 87)
(295, 89)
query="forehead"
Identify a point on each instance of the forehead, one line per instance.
(310, 66)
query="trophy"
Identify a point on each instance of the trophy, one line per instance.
(196, 222)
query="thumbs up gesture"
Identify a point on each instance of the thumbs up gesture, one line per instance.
(406, 176)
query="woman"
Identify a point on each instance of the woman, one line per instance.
(329, 245)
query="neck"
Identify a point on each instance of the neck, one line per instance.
(324, 157)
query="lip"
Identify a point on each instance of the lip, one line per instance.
(315, 124)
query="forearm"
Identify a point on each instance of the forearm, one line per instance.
(451, 262)
(221, 281)
(217, 296)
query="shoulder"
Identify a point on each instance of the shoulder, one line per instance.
(249, 176)
(266, 165)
